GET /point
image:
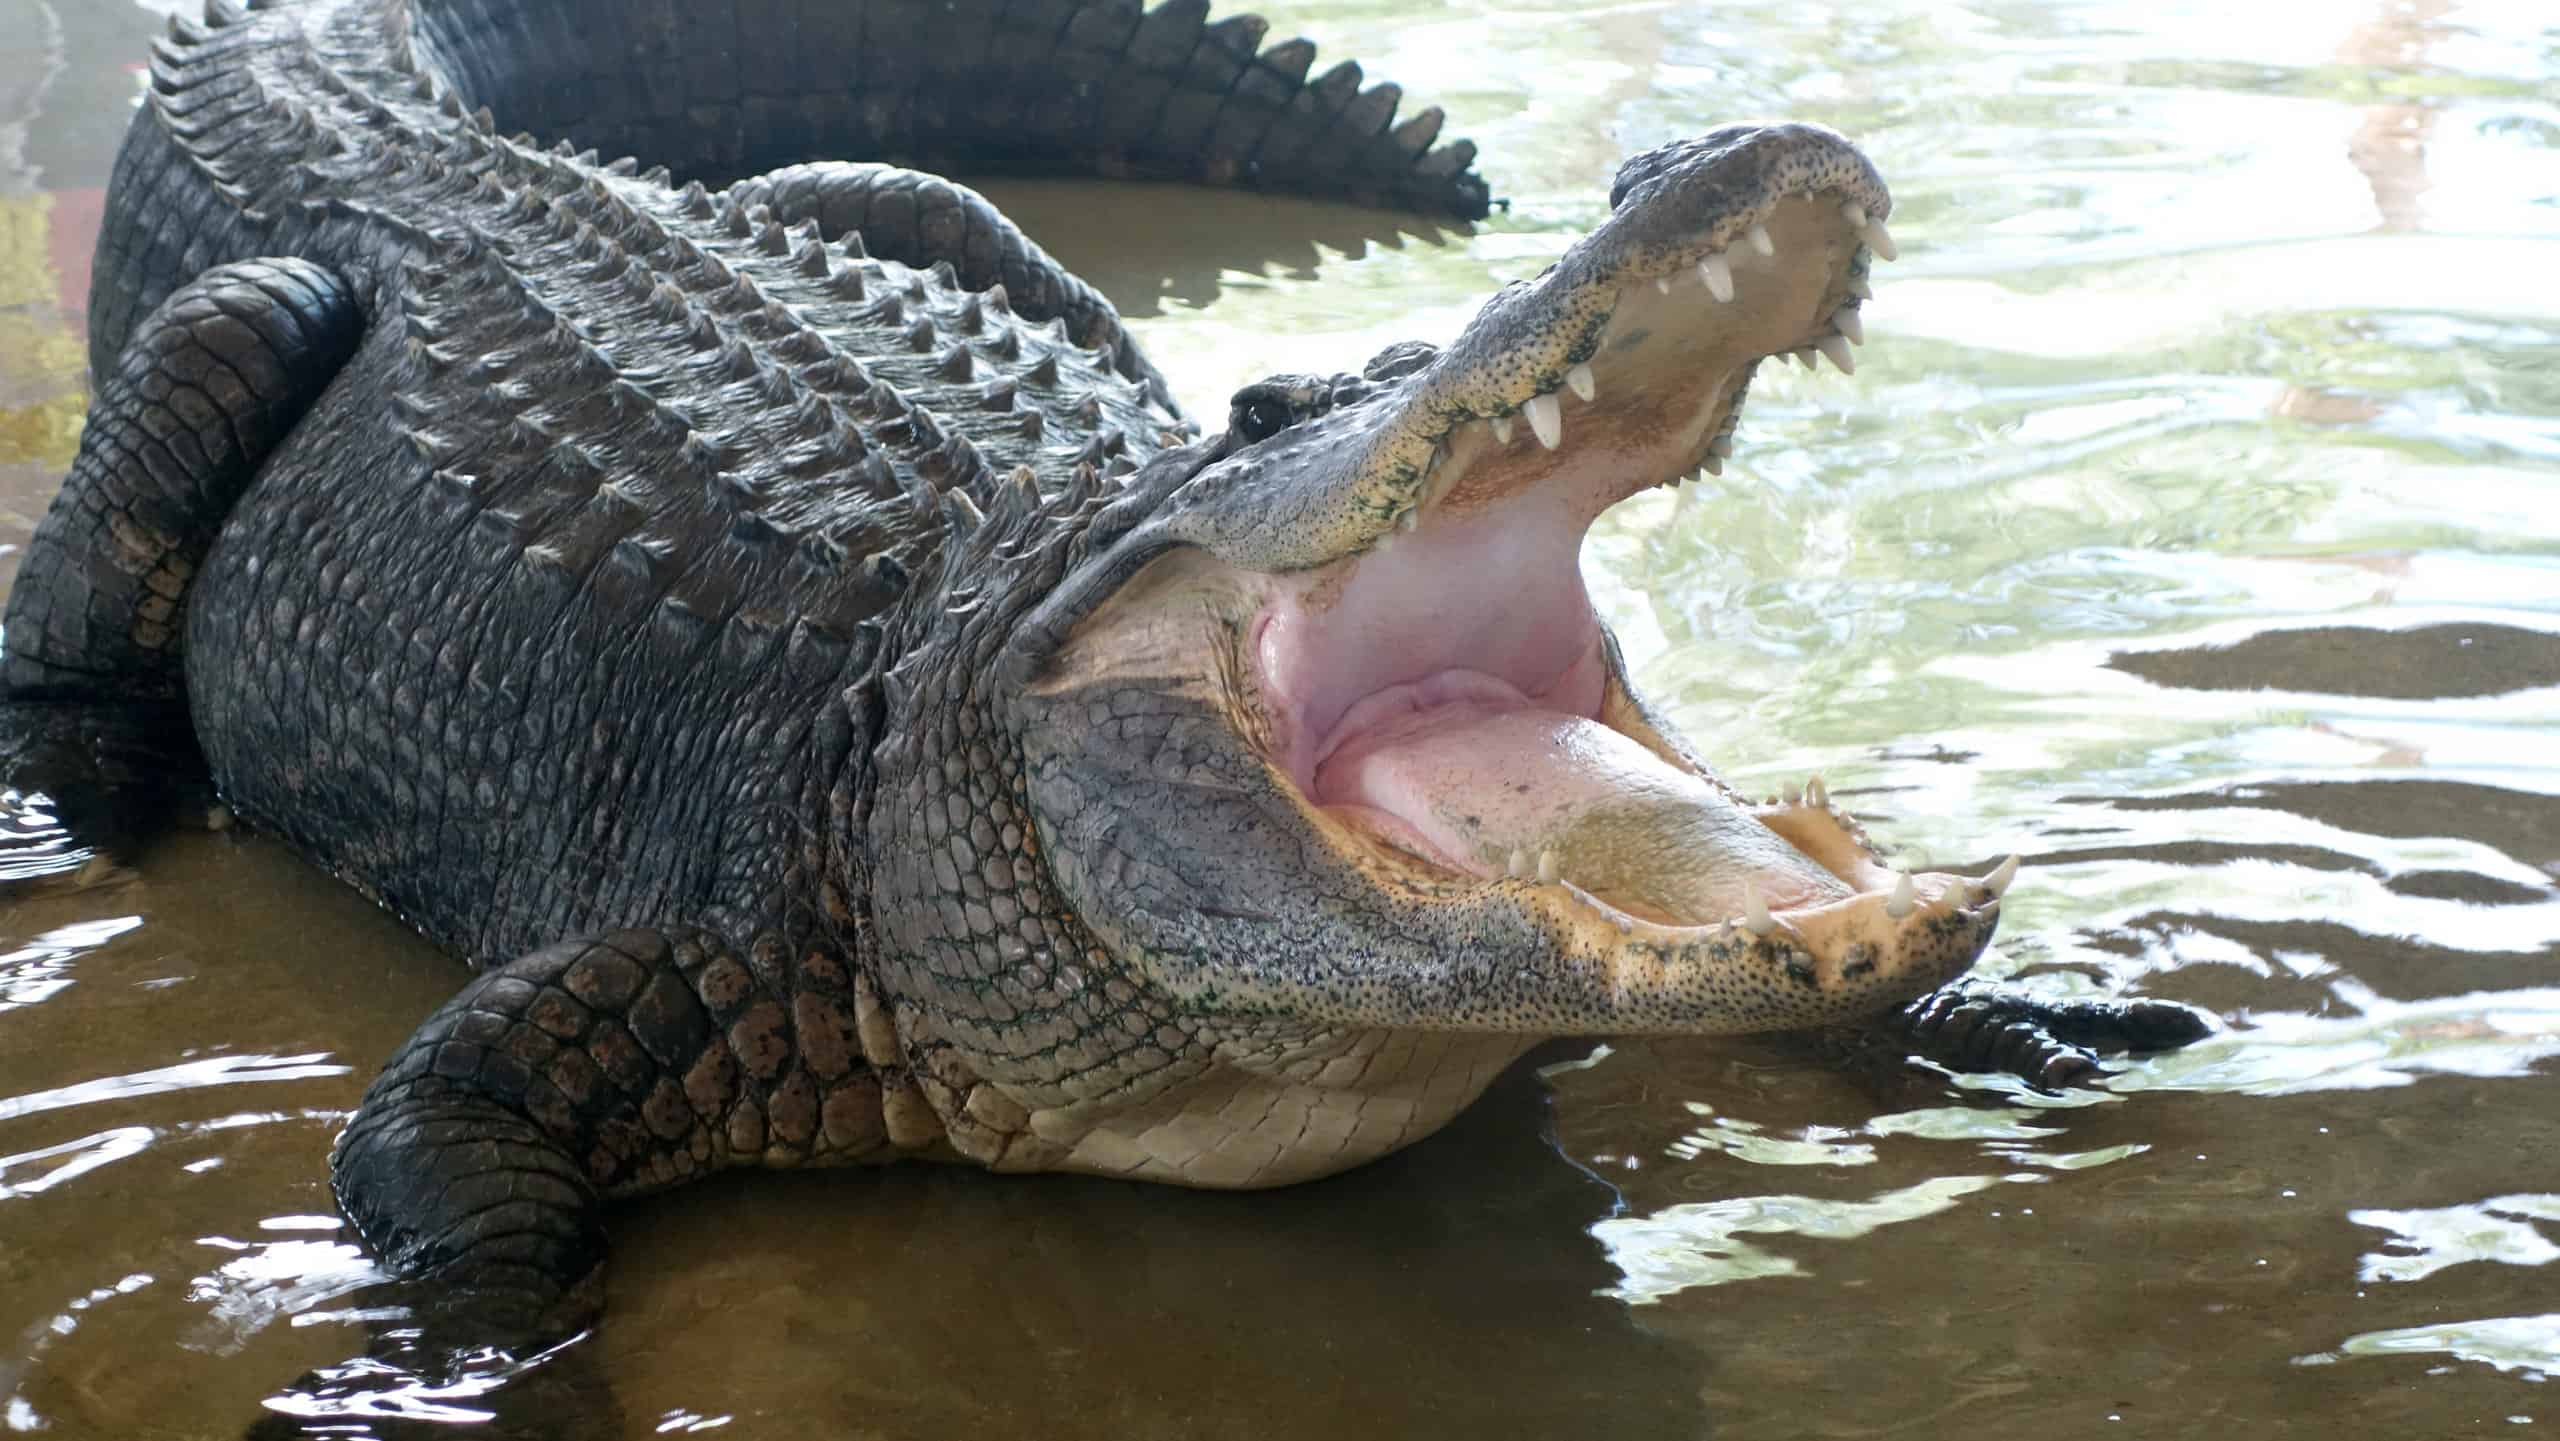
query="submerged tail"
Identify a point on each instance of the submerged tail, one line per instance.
(722, 88)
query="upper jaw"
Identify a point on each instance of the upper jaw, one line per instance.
(1723, 251)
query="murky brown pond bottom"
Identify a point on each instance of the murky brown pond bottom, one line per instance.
(2192, 527)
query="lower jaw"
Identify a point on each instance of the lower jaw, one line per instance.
(1463, 775)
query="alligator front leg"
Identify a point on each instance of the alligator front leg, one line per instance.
(592, 1069)
(922, 220)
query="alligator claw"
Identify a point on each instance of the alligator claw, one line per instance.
(2048, 1044)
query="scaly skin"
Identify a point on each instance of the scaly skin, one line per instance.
(787, 640)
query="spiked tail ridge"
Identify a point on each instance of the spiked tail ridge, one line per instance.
(1068, 87)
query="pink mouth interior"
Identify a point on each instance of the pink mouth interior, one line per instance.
(1464, 621)
(1445, 694)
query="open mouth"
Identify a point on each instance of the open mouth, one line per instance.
(1411, 709)
(1446, 700)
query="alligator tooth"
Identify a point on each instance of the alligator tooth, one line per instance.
(1662, 283)
(1857, 214)
(1880, 240)
(1816, 793)
(1905, 896)
(1714, 464)
(1997, 883)
(1791, 795)
(1550, 866)
(1803, 357)
(1755, 912)
(1546, 417)
(1502, 429)
(1761, 242)
(1837, 347)
(1409, 519)
(1722, 445)
(1847, 321)
(1861, 289)
(1583, 382)
(1520, 863)
(1717, 272)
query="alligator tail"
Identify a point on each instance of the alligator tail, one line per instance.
(724, 88)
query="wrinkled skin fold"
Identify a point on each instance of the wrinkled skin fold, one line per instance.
(785, 638)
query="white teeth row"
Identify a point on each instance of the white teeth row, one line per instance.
(1717, 269)
(1905, 897)
(1835, 347)
(1719, 450)
(1997, 883)
(1546, 867)
(1813, 792)
(1755, 912)
(1545, 413)
(1717, 272)
(1879, 239)
(1546, 417)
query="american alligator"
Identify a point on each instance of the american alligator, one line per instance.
(787, 638)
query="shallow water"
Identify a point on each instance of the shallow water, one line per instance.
(2191, 527)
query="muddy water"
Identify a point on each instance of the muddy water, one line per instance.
(2191, 527)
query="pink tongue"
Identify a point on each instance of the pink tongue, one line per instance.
(1469, 768)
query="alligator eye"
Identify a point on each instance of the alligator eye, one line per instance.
(1262, 417)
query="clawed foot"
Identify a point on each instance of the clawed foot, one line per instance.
(82, 788)
(2047, 1044)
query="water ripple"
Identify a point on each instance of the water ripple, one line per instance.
(2427, 1241)
(2528, 1346)
(41, 968)
(77, 1157)
(1687, 1247)
(189, 1075)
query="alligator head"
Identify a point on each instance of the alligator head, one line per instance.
(1333, 788)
